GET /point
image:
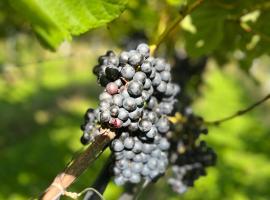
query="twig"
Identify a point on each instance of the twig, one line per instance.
(101, 182)
(187, 10)
(78, 166)
(238, 113)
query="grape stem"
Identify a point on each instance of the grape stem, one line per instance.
(238, 113)
(78, 166)
(187, 9)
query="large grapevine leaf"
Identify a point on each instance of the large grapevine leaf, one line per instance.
(55, 20)
(209, 23)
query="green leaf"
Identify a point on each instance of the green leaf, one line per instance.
(209, 23)
(55, 20)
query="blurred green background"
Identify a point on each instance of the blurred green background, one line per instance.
(43, 97)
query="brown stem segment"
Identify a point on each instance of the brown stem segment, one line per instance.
(239, 113)
(63, 180)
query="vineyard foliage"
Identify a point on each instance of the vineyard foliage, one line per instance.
(46, 85)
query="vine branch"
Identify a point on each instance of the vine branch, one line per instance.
(239, 113)
(78, 166)
(182, 14)
(101, 182)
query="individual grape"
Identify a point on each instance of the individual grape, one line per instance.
(119, 180)
(102, 70)
(145, 114)
(166, 107)
(123, 114)
(170, 89)
(123, 58)
(145, 170)
(117, 100)
(105, 96)
(152, 163)
(165, 76)
(147, 84)
(152, 102)
(89, 114)
(105, 116)
(112, 73)
(138, 158)
(156, 153)
(164, 144)
(135, 58)
(176, 89)
(162, 166)
(137, 148)
(129, 104)
(162, 87)
(126, 123)
(118, 82)
(128, 72)
(136, 114)
(147, 148)
(146, 67)
(146, 94)
(152, 133)
(88, 127)
(116, 123)
(154, 173)
(133, 127)
(103, 80)
(153, 73)
(129, 154)
(127, 173)
(135, 178)
(129, 143)
(136, 167)
(163, 125)
(122, 164)
(143, 49)
(124, 135)
(85, 138)
(110, 53)
(112, 88)
(104, 105)
(140, 76)
(157, 80)
(116, 171)
(145, 125)
(125, 94)
(139, 101)
(152, 117)
(117, 145)
(113, 60)
(135, 88)
(160, 64)
(114, 110)
(145, 157)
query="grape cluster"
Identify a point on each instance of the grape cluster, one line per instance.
(137, 100)
(190, 166)
(189, 159)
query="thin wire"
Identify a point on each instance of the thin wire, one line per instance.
(75, 195)
(239, 113)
